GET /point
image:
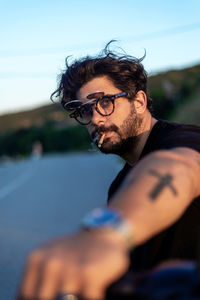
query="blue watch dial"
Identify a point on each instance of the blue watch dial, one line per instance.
(101, 217)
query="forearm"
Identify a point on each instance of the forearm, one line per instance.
(158, 190)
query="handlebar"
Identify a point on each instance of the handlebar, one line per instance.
(170, 281)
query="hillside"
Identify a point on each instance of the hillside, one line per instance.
(176, 94)
(52, 113)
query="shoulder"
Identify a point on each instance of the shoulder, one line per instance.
(169, 135)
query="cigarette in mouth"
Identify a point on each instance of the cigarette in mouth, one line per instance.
(101, 140)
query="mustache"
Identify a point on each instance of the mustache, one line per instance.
(103, 129)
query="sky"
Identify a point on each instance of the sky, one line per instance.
(36, 37)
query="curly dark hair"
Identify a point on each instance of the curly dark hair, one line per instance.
(126, 72)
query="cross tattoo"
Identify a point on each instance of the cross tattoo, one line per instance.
(164, 181)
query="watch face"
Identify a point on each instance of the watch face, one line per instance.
(101, 217)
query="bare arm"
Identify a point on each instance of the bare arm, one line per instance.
(158, 190)
(154, 195)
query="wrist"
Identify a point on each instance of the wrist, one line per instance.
(110, 223)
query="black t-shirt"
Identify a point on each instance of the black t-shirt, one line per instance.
(182, 239)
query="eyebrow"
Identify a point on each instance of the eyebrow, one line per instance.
(97, 92)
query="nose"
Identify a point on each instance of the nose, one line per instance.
(97, 118)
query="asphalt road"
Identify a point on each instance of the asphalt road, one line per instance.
(44, 198)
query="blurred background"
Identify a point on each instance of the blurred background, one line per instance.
(50, 173)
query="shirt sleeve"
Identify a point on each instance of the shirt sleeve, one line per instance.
(183, 136)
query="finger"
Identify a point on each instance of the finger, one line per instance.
(92, 284)
(92, 291)
(29, 281)
(71, 283)
(67, 296)
(95, 282)
(50, 279)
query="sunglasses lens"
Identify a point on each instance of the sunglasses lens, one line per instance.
(85, 114)
(71, 105)
(105, 106)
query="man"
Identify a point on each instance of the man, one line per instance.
(153, 212)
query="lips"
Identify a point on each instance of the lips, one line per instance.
(108, 133)
(98, 135)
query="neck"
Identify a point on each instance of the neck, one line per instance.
(133, 155)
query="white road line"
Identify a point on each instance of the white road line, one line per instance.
(20, 180)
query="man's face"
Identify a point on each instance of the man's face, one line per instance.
(121, 128)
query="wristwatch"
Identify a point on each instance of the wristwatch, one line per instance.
(106, 219)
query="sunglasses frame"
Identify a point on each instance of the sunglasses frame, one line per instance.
(93, 100)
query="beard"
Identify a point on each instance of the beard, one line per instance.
(126, 135)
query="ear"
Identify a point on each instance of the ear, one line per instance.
(140, 102)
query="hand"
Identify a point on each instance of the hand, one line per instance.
(85, 263)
